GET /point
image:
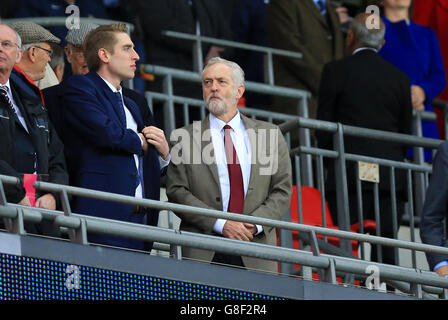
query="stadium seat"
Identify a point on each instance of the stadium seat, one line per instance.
(312, 215)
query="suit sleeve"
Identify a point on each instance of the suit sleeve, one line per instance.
(434, 81)
(326, 109)
(85, 113)
(280, 188)
(435, 206)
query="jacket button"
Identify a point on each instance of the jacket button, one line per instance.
(133, 175)
(218, 199)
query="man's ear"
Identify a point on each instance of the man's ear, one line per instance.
(104, 55)
(240, 91)
(19, 56)
(30, 54)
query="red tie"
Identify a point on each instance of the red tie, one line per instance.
(236, 201)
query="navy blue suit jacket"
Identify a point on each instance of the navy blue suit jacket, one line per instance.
(100, 152)
(435, 208)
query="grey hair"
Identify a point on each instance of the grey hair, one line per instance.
(19, 40)
(368, 37)
(237, 72)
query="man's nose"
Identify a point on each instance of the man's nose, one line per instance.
(135, 57)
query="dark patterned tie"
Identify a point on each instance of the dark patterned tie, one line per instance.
(122, 116)
(4, 92)
(236, 201)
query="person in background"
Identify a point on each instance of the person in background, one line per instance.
(415, 50)
(311, 27)
(434, 13)
(29, 144)
(349, 94)
(57, 62)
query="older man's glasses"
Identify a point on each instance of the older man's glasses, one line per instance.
(49, 51)
(8, 45)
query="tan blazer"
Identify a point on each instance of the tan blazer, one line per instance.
(197, 184)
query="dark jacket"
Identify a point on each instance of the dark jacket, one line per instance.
(435, 210)
(366, 91)
(100, 150)
(48, 147)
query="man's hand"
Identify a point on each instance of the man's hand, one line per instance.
(442, 271)
(418, 97)
(156, 137)
(25, 202)
(213, 52)
(47, 201)
(343, 15)
(238, 230)
(144, 143)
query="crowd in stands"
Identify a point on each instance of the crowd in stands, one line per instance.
(413, 57)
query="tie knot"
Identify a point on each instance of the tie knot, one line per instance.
(4, 88)
(227, 127)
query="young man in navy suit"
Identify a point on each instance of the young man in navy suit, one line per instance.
(107, 145)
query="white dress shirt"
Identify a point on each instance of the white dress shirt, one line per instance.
(242, 146)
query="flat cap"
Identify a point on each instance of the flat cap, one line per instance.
(76, 36)
(31, 32)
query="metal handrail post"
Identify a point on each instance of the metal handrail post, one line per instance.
(342, 187)
(419, 158)
(168, 107)
(305, 138)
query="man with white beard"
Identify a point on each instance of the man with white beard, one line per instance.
(249, 172)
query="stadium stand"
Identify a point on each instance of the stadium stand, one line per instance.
(337, 252)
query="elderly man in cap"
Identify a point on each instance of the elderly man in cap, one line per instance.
(75, 57)
(36, 46)
(29, 146)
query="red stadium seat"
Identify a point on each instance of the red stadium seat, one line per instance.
(312, 215)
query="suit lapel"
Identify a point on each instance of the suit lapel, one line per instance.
(109, 94)
(198, 133)
(252, 131)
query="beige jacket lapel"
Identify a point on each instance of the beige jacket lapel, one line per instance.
(202, 137)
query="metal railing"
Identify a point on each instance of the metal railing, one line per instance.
(198, 57)
(329, 264)
(415, 191)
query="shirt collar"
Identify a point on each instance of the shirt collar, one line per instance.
(112, 87)
(364, 48)
(218, 124)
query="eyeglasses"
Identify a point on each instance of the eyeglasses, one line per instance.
(49, 51)
(8, 45)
